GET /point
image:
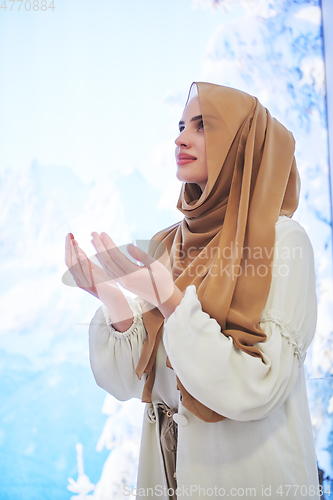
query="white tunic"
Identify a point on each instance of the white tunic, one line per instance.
(264, 449)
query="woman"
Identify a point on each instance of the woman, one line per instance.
(226, 310)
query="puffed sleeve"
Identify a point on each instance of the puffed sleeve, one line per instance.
(114, 355)
(226, 379)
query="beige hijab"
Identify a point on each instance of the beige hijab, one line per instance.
(224, 244)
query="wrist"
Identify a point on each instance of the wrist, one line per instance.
(120, 314)
(121, 319)
(169, 306)
(123, 325)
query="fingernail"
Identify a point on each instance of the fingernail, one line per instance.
(72, 237)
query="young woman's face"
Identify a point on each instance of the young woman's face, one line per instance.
(191, 148)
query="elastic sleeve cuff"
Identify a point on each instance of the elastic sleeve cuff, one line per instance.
(137, 320)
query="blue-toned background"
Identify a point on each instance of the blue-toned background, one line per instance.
(90, 97)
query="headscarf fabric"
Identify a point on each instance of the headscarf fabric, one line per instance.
(225, 242)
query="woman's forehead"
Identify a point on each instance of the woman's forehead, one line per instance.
(191, 109)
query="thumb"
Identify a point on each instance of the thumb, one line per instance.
(140, 255)
(100, 277)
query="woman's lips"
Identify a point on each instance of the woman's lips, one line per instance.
(183, 159)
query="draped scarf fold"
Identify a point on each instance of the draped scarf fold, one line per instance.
(224, 244)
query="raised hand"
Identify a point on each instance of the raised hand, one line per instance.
(152, 281)
(85, 273)
(93, 279)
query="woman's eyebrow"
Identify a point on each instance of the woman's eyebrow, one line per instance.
(195, 118)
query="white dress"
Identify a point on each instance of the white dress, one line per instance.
(265, 448)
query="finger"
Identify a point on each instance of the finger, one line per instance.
(82, 270)
(68, 250)
(87, 275)
(103, 272)
(69, 274)
(98, 270)
(75, 255)
(91, 264)
(100, 277)
(118, 257)
(108, 242)
(76, 268)
(140, 255)
(102, 255)
(70, 256)
(113, 260)
(79, 249)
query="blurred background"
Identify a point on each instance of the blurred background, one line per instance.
(90, 97)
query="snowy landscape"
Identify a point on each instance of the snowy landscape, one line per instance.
(61, 436)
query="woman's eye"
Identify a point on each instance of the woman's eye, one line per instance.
(181, 128)
(201, 125)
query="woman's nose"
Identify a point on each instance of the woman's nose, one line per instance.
(182, 140)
